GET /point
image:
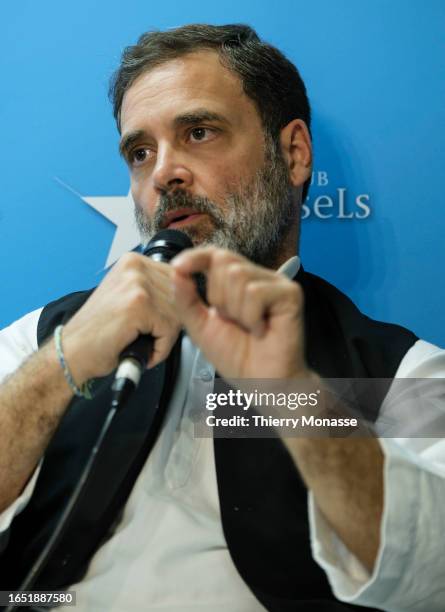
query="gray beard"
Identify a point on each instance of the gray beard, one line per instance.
(254, 221)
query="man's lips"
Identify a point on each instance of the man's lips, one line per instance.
(180, 217)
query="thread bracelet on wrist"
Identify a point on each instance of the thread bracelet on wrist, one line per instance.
(83, 391)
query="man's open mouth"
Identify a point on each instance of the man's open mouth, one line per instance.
(180, 217)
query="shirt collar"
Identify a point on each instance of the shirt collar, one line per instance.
(290, 267)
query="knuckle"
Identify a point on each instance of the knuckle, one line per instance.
(138, 298)
(207, 249)
(131, 261)
(236, 272)
(132, 281)
(222, 256)
(254, 291)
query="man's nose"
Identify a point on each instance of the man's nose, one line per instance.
(171, 171)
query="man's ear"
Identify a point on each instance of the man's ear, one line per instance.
(296, 146)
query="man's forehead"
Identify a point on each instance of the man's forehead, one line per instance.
(195, 78)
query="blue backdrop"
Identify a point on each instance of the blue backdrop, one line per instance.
(375, 76)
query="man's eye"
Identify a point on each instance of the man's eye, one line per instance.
(201, 133)
(138, 156)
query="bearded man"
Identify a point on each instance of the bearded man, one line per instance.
(215, 129)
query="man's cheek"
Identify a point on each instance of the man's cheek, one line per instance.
(144, 199)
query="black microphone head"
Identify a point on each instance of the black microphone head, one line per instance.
(166, 244)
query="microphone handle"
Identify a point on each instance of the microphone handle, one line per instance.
(140, 350)
(132, 363)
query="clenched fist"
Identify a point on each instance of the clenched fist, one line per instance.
(253, 324)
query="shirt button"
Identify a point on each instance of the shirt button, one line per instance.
(205, 375)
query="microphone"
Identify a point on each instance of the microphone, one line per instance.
(134, 358)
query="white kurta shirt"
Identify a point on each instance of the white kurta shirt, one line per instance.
(169, 552)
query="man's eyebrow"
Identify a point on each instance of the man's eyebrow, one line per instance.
(199, 115)
(129, 140)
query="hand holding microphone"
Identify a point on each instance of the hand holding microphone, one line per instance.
(134, 299)
(133, 360)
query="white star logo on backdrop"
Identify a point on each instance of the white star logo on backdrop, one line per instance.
(118, 210)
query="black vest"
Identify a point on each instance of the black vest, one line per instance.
(262, 498)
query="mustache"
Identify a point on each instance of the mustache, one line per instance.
(181, 199)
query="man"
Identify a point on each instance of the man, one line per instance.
(214, 127)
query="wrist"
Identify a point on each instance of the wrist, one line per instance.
(71, 363)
